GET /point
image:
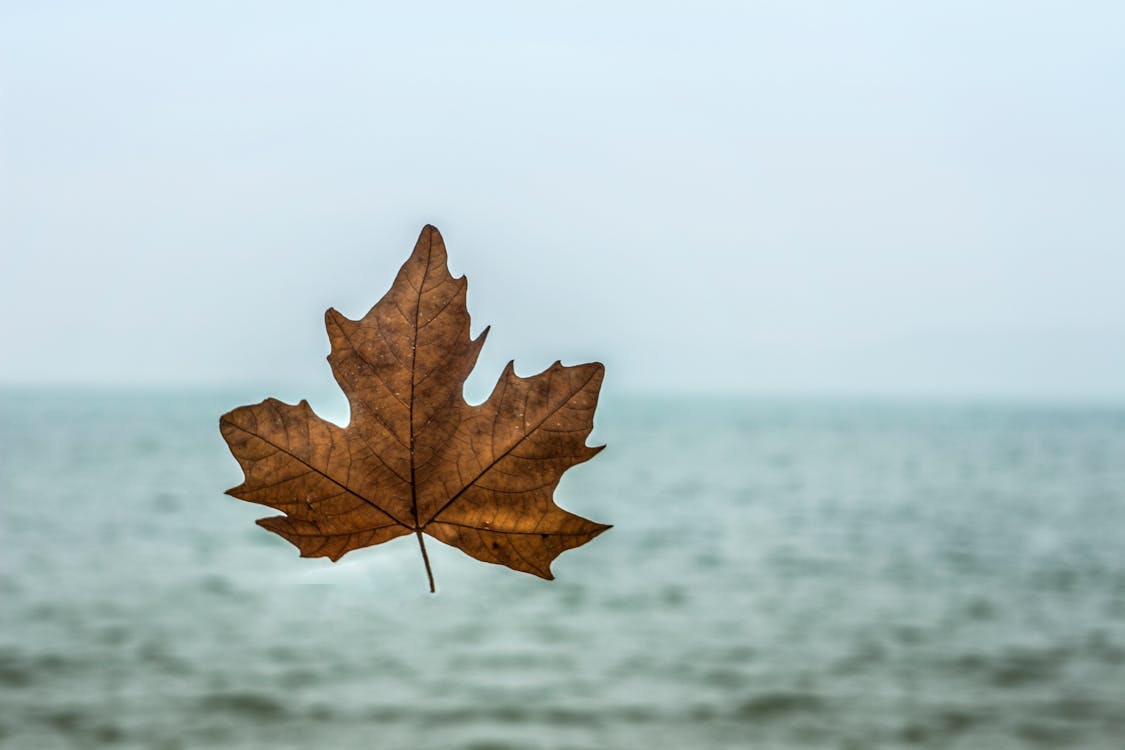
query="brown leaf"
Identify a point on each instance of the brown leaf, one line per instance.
(416, 458)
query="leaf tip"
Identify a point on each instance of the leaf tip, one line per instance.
(601, 528)
(545, 573)
(332, 316)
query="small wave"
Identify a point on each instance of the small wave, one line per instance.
(14, 674)
(1020, 668)
(1047, 735)
(945, 724)
(254, 705)
(18, 670)
(86, 725)
(490, 745)
(773, 705)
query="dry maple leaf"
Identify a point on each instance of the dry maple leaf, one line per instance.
(416, 458)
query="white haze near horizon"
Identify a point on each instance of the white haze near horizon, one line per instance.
(903, 198)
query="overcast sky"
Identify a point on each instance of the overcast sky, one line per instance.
(796, 196)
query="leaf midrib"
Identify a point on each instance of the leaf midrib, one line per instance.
(512, 447)
(322, 473)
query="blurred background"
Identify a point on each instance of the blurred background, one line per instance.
(855, 271)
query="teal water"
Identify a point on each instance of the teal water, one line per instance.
(782, 574)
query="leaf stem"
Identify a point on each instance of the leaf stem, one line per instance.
(426, 560)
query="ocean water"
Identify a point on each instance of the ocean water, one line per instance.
(782, 574)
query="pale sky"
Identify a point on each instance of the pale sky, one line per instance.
(811, 197)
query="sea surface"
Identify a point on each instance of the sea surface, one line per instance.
(782, 573)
